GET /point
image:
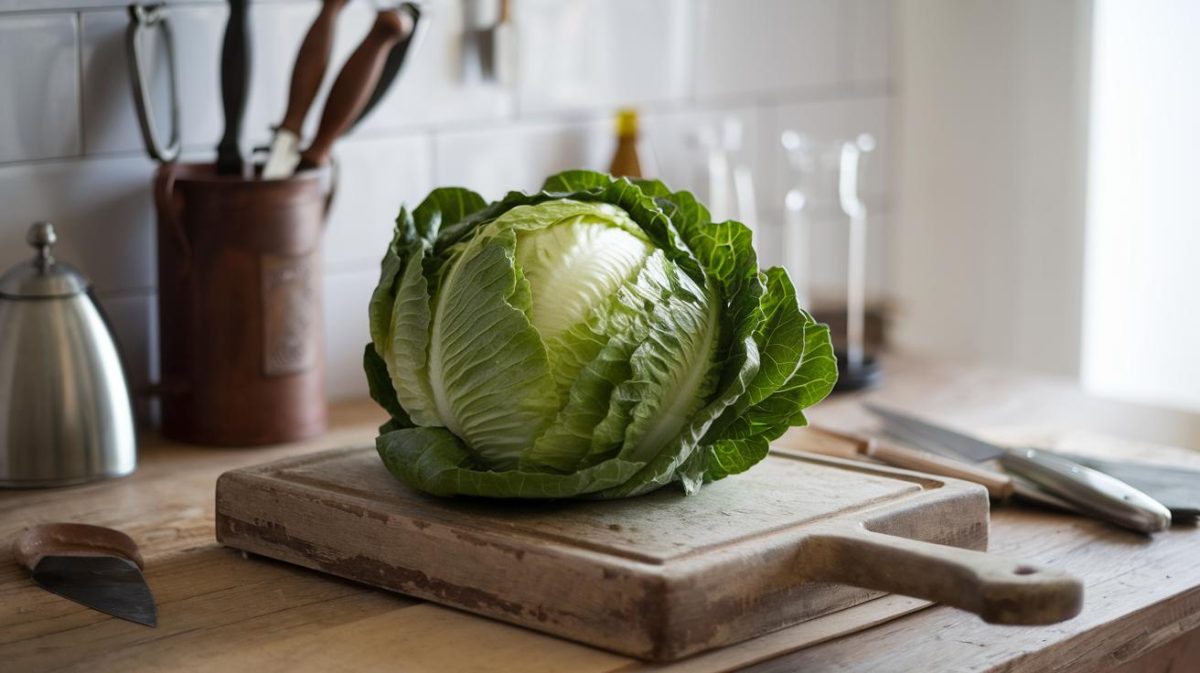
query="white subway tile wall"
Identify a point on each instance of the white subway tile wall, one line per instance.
(71, 152)
(110, 122)
(134, 320)
(346, 297)
(868, 41)
(101, 207)
(375, 175)
(519, 155)
(590, 54)
(767, 48)
(39, 117)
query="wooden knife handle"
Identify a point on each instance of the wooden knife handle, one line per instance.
(999, 590)
(354, 85)
(311, 63)
(73, 539)
(822, 440)
(999, 486)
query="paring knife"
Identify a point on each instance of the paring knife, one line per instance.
(235, 79)
(307, 74)
(1093, 493)
(94, 566)
(352, 88)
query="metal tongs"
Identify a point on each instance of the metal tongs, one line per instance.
(142, 20)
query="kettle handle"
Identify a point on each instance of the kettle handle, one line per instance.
(169, 208)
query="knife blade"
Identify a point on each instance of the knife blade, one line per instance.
(235, 79)
(1176, 488)
(352, 88)
(1092, 492)
(307, 74)
(97, 567)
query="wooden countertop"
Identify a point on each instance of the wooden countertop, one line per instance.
(1142, 598)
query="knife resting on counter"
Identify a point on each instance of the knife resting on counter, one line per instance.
(97, 567)
(1089, 491)
(998, 485)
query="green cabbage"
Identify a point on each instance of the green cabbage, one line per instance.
(601, 338)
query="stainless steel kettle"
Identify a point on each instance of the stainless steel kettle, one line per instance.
(65, 415)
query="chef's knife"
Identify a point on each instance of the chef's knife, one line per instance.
(998, 484)
(307, 74)
(1094, 493)
(284, 153)
(235, 78)
(395, 59)
(354, 83)
(1176, 488)
(94, 566)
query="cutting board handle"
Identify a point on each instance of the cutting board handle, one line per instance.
(999, 590)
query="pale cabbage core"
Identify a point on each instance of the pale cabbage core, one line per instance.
(574, 265)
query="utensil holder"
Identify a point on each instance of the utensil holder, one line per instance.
(239, 305)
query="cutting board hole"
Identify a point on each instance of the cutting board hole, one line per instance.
(1025, 570)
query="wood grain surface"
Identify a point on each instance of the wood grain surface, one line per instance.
(657, 577)
(230, 614)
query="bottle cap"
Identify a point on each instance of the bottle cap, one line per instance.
(627, 122)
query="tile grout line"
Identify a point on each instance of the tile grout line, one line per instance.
(434, 159)
(109, 6)
(82, 150)
(583, 117)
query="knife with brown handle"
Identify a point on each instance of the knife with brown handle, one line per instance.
(354, 84)
(395, 60)
(307, 75)
(97, 567)
(999, 486)
(1093, 493)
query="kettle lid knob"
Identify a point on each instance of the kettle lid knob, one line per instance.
(41, 236)
(43, 277)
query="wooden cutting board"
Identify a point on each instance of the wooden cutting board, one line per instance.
(658, 577)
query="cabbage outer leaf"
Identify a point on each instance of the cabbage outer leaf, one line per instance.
(591, 425)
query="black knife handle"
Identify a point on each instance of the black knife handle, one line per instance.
(235, 80)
